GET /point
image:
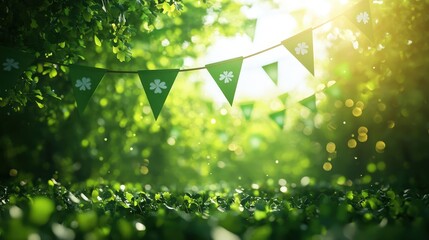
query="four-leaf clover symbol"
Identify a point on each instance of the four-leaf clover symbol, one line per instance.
(9, 64)
(362, 17)
(83, 84)
(226, 76)
(157, 85)
(301, 48)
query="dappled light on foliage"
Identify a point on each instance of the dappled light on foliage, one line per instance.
(341, 154)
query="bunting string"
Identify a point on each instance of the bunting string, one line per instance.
(158, 83)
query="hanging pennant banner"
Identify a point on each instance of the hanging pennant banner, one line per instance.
(272, 71)
(157, 85)
(361, 16)
(85, 80)
(310, 103)
(279, 118)
(301, 46)
(13, 64)
(247, 109)
(226, 74)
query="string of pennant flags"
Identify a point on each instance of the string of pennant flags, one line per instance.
(158, 83)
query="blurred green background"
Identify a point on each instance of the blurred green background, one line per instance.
(372, 127)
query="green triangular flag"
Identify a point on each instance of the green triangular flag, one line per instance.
(247, 109)
(279, 118)
(333, 91)
(272, 71)
(226, 74)
(85, 80)
(283, 98)
(301, 46)
(250, 28)
(157, 84)
(310, 103)
(361, 16)
(13, 64)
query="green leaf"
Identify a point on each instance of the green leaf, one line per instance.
(94, 195)
(53, 73)
(34, 24)
(40, 97)
(40, 105)
(129, 196)
(259, 215)
(97, 41)
(121, 56)
(51, 93)
(87, 15)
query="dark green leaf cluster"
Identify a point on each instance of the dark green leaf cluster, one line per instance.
(58, 32)
(126, 211)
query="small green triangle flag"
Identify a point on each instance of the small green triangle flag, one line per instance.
(310, 103)
(333, 91)
(85, 80)
(361, 16)
(283, 98)
(272, 71)
(250, 28)
(13, 64)
(301, 46)
(226, 74)
(247, 109)
(157, 85)
(279, 118)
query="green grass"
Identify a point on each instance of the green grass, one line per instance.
(114, 211)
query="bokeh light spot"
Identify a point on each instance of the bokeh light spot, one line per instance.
(104, 102)
(360, 104)
(363, 138)
(171, 141)
(371, 167)
(362, 130)
(330, 147)
(380, 146)
(327, 166)
(352, 143)
(144, 170)
(381, 166)
(338, 104)
(305, 181)
(13, 172)
(349, 103)
(357, 112)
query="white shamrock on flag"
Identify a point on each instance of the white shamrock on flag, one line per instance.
(83, 84)
(301, 48)
(226, 76)
(9, 64)
(363, 17)
(157, 85)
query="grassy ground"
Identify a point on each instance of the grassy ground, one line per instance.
(50, 210)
